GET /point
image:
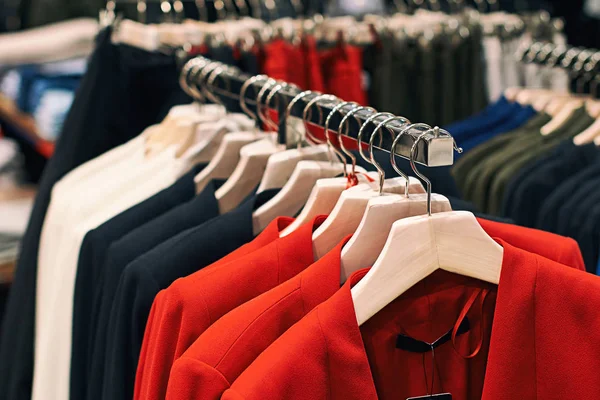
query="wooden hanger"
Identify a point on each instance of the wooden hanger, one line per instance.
(366, 244)
(417, 246)
(281, 166)
(327, 192)
(298, 188)
(253, 160)
(323, 198)
(349, 210)
(227, 157)
(294, 194)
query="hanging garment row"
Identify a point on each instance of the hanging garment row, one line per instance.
(142, 199)
(537, 149)
(146, 258)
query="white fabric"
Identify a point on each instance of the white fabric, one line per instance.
(510, 65)
(117, 181)
(50, 234)
(493, 57)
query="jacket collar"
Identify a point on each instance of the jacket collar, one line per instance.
(513, 328)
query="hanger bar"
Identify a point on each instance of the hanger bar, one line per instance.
(435, 149)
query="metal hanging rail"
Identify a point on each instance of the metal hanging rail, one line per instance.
(207, 79)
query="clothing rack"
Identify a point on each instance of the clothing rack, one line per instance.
(434, 147)
(577, 61)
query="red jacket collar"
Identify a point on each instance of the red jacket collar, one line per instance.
(513, 328)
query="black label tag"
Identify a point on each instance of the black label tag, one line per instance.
(407, 343)
(441, 396)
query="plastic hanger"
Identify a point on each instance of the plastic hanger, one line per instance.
(296, 191)
(347, 214)
(252, 164)
(327, 192)
(281, 165)
(366, 244)
(418, 246)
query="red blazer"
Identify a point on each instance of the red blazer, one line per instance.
(541, 344)
(231, 344)
(183, 311)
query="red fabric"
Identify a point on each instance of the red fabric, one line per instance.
(557, 248)
(230, 345)
(284, 61)
(539, 331)
(314, 75)
(342, 72)
(182, 312)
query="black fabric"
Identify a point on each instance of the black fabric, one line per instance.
(548, 219)
(141, 281)
(122, 93)
(134, 244)
(573, 203)
(577, 221)
(91, 261)
(537, 184)
(588, 238)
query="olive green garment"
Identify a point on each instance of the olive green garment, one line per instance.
(475, 156)
(495, 156)
(576, 124)
(526, 144)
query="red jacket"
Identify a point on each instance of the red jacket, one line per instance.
(183, 311)
(231, 344)
(541, 344)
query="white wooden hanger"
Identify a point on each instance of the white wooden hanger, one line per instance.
(205, 142)
(248, 172)
(281, 166)
(293, 196)
(327, 192)
(253, 160)
(323, 198)
(209, 136)
(417, 246)
(226, 159)
(349, 210)
(366, 244)
(298, 187)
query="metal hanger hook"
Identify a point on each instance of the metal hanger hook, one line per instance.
(200, 83)
(192, 79)
(393, 154)
(413, 152)
(345, 123)
(308, 108)
(210, 81)
(280, 86)
(361, 132)
(184, 77)
(288, 113)
(259, 104)
(376, 132)
(243, 91)
(330, 145)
